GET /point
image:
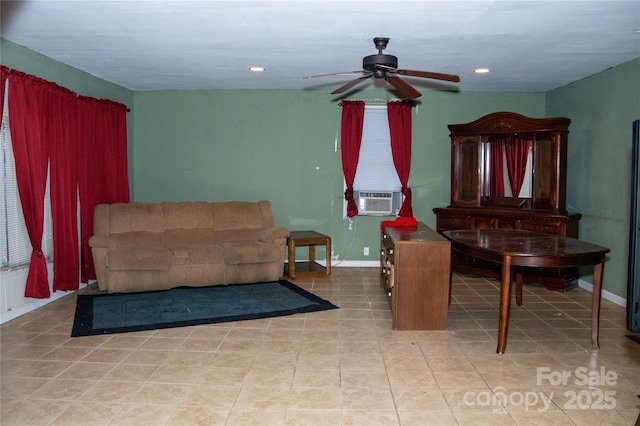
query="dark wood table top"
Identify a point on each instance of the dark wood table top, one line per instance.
(526, 248)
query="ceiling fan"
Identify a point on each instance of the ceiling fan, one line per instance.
(386, 67)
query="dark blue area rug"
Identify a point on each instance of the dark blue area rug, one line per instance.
(184, 306)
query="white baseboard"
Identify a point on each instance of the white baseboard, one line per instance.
(32, 305)
(346, 263)
(353, 263)
(13, 304)
(607, 295)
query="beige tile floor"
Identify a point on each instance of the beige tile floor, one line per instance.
(339, 367)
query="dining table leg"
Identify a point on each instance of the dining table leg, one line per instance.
(505, 304)
(598, 271)
(519, 280)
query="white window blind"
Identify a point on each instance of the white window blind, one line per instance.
(15, 250)
(376, 171)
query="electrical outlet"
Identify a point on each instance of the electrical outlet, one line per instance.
(366, 251)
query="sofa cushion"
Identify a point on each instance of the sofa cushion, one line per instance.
(191, 255)
(236, 215)
(139, 239)
(187, 215)
(237, 236)
(142, 259)
(188, 237)
(131, 217)
(238, 253)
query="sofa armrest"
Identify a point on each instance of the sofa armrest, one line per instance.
(101, 241)
(269, 235)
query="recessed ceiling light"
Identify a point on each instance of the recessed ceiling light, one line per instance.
(481, 70)
(256, 69)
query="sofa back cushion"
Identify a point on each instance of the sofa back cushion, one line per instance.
(187, 215)
(237, 215)
(135, 217)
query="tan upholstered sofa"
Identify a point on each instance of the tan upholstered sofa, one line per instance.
(156, 246)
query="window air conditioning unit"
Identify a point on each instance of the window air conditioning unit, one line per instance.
(379, 202)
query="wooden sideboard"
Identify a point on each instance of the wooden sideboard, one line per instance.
(415, 273)
(543, 210)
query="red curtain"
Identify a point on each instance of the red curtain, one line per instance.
(351, 138)
(496, 179)
(28, 108)
(399, 115)
(84, 142)
(102, 171)
(517, 150)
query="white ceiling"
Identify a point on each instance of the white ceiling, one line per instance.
(531, 46)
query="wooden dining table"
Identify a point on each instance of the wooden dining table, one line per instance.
(522, 248)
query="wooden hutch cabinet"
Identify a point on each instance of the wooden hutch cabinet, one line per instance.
(544, 207)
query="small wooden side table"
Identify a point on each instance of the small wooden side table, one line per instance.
(310, 268)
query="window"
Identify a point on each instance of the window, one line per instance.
(15, 250)
(376, 186)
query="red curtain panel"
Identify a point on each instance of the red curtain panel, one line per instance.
(351, 138)
(399, 115)
(102, 166)
(496, 179)
(27, 114)
(517, 150)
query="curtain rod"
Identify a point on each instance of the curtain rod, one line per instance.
(382, 102)
(9, 70)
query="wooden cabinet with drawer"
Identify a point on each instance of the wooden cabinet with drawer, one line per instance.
(415, 274)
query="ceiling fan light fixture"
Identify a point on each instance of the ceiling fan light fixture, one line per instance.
(482, 70)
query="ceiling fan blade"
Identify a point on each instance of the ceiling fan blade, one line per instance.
(428, 74)
(404, 88)
(350, 84)
(336, 73)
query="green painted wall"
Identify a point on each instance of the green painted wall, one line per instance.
(602, 109)
(281, 145)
